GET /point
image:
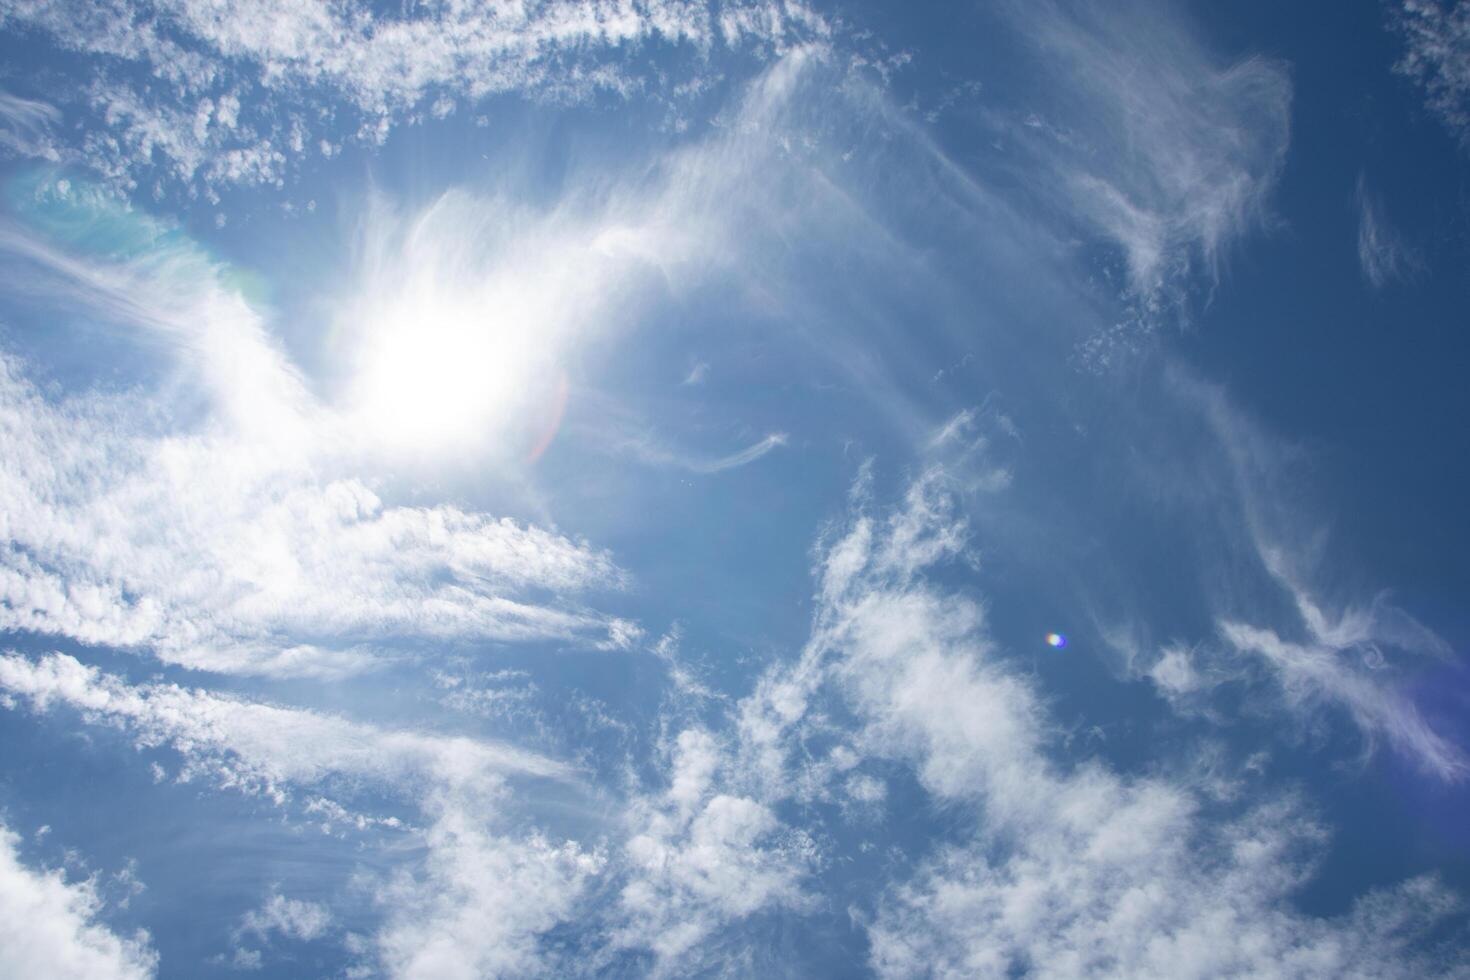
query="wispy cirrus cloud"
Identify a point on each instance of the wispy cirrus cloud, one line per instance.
(648, 449)
(749, 454)
(1276, 621)
(1382, 253)
(258, 747)
(1327, 672)
(210, 96)
(1151, 141)
(26, 125)
(1354, 658)
(482, 895)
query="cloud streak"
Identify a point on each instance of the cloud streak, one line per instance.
(481, 897)
(215, 556)
(1320, 672)
(1156, 144)
(1382, 254)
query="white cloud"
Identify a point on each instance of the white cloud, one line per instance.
(293, 918)
(481, 902)
(245, 542)
(1072, 870)
(1437, 57)
(26, 125)
(1146, 893)
(230, 557)
(1158, 144)
(49, 927)
(701, 858)
(246, 959)
(1325, 672)
(1350, 659)
(481, 898)
(749, 454)
(647, 448)
(1381, 251)
(1175, 673)
(281, 64)
(195, 140)
(260, 747)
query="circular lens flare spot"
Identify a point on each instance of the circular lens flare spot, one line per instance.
(1056, 640)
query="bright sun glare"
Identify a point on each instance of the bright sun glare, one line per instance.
(438, 376)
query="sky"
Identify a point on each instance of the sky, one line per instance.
(703, 488)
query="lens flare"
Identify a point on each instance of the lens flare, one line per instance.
(1056, 640)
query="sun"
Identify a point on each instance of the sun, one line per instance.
(436, 374)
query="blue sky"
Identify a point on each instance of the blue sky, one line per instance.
(583, 488)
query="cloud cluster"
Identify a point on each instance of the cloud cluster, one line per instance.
(49, 927)
(1071, 870)
(242, 541)
(292, 918)
(1437, 58)
(482, 895)
(482, 902)
(206, 95)
(696, 858)
(701, 858)
(224, 557)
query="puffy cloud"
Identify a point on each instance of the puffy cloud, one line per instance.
(49, 927)
(1072, 870)
(291, 917)
(1126, 881)
(701, 858)
(479, 906)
